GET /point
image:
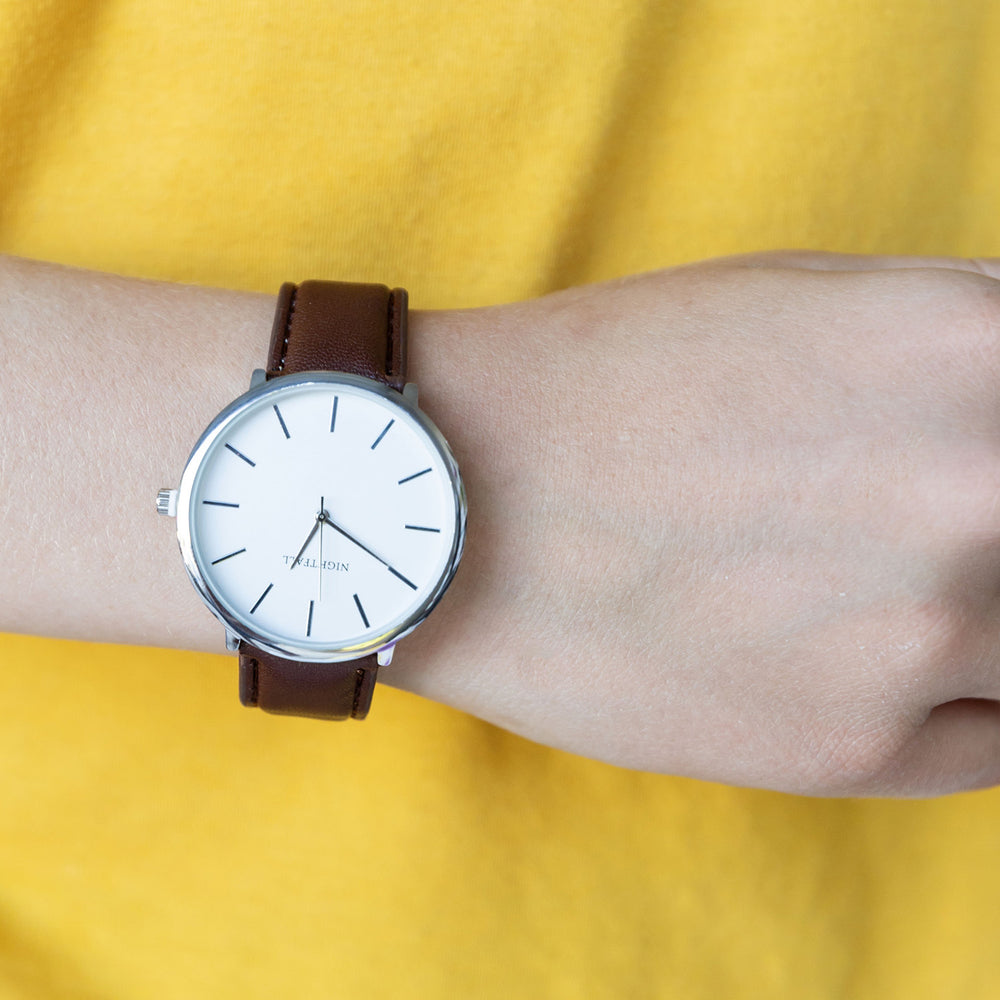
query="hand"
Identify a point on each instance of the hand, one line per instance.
(321, 519)
(326, 519)
(317, 524)
(738, 521)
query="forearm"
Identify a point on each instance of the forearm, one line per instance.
(736, 521)
(109, 382)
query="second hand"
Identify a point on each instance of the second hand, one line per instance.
(322, 519)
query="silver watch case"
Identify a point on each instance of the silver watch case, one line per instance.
(238, 631)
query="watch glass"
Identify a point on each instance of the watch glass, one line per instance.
(321, 516)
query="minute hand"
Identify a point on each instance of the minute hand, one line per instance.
(325, 518)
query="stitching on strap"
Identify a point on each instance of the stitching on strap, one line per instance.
(249, 681)
(390, 340)
(359, 682)
(288, 326)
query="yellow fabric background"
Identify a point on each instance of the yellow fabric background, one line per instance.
(156, 840)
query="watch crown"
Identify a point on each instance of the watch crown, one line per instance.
(166, 503)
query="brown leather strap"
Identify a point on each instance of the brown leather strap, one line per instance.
(337, 326)
(315, 690)
(327, 326)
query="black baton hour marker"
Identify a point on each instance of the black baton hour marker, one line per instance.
(281, 420)
(361, 611)
(333, 416)
(238, 552)
(422, 472)
(396, 573)
(385, 431)
(309, 624)
(241, 455)
(218, 503)
(417, 527)
(261, 598)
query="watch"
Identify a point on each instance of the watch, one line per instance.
(321, 515)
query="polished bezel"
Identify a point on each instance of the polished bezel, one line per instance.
(241, 630)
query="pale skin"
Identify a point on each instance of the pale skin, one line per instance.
(737, 520)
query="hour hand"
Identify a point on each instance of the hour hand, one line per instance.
(309, 538)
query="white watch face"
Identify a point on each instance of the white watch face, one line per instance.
(321, 516)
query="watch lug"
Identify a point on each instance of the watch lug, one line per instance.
(410, 393)
(232, 641)
(259, 377)
(384, 656)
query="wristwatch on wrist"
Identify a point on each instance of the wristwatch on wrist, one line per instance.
(321, 516)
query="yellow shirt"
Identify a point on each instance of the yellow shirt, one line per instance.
(156, 840)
